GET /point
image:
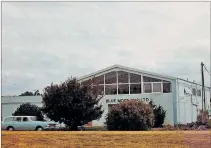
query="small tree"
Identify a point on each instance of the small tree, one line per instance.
(71, 103)
(159, 114)
(130, 115)
(27, 109)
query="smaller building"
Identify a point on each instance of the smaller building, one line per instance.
(9, 104)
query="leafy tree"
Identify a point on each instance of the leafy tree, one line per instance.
(27, 93)
(36, 93)
(72, 103)
(130, 115)
(27, 109)
(159, 114)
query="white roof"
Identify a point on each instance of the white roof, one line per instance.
(128, 69)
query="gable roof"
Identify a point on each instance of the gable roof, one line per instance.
(128, 69)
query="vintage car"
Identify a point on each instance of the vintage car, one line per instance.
(27, 123)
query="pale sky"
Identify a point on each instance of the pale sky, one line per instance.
(46, 42)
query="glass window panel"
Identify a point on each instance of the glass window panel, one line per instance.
(8, 119)
(194, 91)
(149, 79)
(98, 80)
(134, 78)
(17, 119)
(123, 89)
(147, 88)
(99, 89)
(167, 87)
(122, 77)
(156, 87)
(110, 77)
(110, 89)
(135, 88)
(87, 82)
(198, 92)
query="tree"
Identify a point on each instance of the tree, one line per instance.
(36, 93)
(130, 115)
(159, 114)
(27, 93)
(27, 109)
(71, 103)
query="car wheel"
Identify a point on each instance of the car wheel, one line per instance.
(10, 128)
(39, 128)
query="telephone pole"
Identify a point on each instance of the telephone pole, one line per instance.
(203, 92)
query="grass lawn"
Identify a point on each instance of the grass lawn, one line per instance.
(104, 139)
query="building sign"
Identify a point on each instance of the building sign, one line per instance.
(119, 100)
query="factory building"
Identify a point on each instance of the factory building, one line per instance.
(181, 99)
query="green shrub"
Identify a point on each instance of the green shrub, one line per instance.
(159, 114)
(130, 115)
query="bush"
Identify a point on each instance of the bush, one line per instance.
(27, 109)
(203, 118)
(130, 115)
(159, 114)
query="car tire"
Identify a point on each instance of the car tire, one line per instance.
(10, 128)
(39, 128)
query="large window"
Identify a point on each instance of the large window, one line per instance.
(122, 82)
(134, 78)
(99, 88)
(135, 88)
(147, 88)
(123, 89)
(198, 92)
(110, 78)
(98, 80)
(122, 77)
(156, 87)
(166, 87)
(110, 89)
(194, 91)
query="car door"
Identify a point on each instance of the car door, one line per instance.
(28, 124)
(17, 124)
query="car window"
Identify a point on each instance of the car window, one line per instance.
(33, 118)
(9, 119)
(25, 119)
(17, 119)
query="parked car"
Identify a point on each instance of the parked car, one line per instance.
(27, 123)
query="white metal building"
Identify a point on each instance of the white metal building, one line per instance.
(181, 98)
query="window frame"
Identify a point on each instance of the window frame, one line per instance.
(163, 80)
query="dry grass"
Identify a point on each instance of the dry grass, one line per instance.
(104, 139)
